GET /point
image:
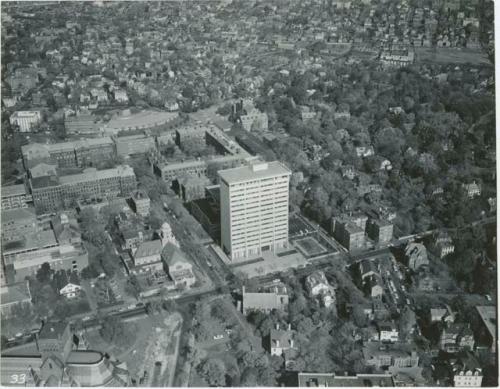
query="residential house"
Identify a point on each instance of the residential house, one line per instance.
(348, 171)
(367, 268)
(442, 245)
(254, 120)
(472, 190)
(416, 255)
(455, 337)
(70, 291)
(388, 332)
(375, 287)
(281, 341)
(120, 96)
(365, 151)
(131, 238)
(467, 372)
(398, 357)
(442, 314)
(318, 285)
(141, 202)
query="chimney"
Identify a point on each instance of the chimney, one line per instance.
(277, 326)
(289, 327)
(277, 343)
(291, 343)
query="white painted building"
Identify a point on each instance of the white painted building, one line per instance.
(70, 290)
(254, 209)
(26, 120)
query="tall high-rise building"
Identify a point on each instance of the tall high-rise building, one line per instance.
(254, 209)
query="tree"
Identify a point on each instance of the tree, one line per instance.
(406, 322)
(250, 377)
(112, 329)
(89, 272)
(213, 371)
(44, 274)
(92, 227)
(4, 342)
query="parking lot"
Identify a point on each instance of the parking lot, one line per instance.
(298, 227)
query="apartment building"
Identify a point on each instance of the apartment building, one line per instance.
(349, 234)
(380, 230)
(254, 209)
(51, 193)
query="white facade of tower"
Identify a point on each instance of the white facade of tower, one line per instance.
(254, 209)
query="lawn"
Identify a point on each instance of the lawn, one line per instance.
(132, 350)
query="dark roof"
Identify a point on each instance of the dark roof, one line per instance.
(172, 254)
(53, 330)
(84, 357)
(45, 181)
(208, 210)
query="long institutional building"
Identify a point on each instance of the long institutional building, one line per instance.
(254, 209)
(52, 192)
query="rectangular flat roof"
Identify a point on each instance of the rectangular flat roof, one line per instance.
(89, 142)
(13, 190)
(256, 171)
(14, 214)
(180, 165)
(38, 240)
(92, 175)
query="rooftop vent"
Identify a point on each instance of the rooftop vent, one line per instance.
(257, 167)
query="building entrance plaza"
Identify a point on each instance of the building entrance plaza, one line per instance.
(298, 254)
